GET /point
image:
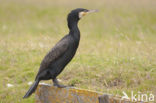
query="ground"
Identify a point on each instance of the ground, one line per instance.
(117, 51)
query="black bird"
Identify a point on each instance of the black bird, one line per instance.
(62, 53)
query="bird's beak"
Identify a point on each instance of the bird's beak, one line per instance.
(91, 11)
(83, 13)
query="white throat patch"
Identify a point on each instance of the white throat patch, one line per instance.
(81, 14)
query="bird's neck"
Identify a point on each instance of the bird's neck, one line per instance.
(73, 29)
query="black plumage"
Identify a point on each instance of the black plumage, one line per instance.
(61, 54)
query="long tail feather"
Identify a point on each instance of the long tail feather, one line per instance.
(31, 89)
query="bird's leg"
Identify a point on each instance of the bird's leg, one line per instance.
(56, 83)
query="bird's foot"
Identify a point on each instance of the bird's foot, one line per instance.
(59, 85)
(56, 83)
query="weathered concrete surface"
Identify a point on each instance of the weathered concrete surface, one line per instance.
(51, 94)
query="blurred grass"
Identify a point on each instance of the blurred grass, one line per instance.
(117, 51)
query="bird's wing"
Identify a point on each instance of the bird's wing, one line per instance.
(58, 50)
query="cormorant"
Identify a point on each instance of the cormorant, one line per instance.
(62, 53)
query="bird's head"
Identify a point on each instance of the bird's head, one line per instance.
(77, 14)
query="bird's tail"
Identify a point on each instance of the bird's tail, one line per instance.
(31, 89)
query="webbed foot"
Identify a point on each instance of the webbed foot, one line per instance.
(56, 83)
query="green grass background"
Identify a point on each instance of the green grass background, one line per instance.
(117, 50)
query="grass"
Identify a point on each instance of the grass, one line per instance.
(117, 51)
